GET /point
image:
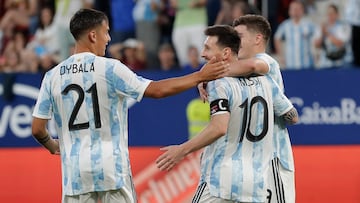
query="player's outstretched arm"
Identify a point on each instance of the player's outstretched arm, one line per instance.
(246, 67)
(175, 153)
(291, 117)
(241, 67)
(167, 87)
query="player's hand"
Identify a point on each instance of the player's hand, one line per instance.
(202, 91)
(214, 69)
(53, 146)
(172, 155)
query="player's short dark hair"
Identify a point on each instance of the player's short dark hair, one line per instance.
(255, 23)
(84, 20)
(227, 36)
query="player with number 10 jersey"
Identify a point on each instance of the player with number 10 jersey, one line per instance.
(236, 165)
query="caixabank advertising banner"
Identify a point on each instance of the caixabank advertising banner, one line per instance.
(326, 141)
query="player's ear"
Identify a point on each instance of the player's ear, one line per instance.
(226, 54)
(92, 36)
(258, 38)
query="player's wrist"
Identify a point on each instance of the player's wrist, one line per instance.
(43, 140)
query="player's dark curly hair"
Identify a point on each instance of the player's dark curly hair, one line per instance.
(255, 23)
(84, 20)
(227, 36)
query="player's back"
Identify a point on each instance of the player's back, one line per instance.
(90, 112)
(236, 164)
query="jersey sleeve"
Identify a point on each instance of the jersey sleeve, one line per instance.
(280, 102)
(43, 106)
(218, 96)
(128, 83)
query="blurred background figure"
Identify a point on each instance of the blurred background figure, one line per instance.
(131, 52)
(167, 58)
(224, 15)
(145, 14)
(16, 17)
(64, 10)
(42, 43)
(352, 16)
(165, 21)
(197, 115)
(239, 8)
(190, 23)
(194, 63)
(212, 11)
(297, 33)
(333, 39)
(122, 24)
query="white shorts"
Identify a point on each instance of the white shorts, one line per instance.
(281, 184)
(202, 195)
(125, 194)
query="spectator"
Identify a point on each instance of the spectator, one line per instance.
(297, 32)
(239, 8)
(11, 62)
(123, 24)
(352, 16)
(212, 10)
(224, 16)
(17, 16)
(131, 52)
(167, 57)
(166, 20)
(43, 42)
(16, 58)
(190, 21)
(64, 10)
(197, 116)
(194, 63)
(333, 40)
(145, 14)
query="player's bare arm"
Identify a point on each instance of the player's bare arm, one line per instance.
(242, 67)
(291, 117)
(246, 67)
(175, 153)
(42, 136)
(167, 87)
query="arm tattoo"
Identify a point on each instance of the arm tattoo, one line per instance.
(291, 116)
(44, 139)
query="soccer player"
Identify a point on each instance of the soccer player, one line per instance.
(254, 31)
(86, 94)
(238, 140)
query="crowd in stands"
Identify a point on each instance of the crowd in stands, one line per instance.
(168, 34)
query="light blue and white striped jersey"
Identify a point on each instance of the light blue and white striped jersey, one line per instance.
(236, 166)
(298, 43)
(281, 141)
(143, 10)
(342, 31)
(352, 12)
(87, 94)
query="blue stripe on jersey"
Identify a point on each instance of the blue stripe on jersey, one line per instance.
(120, 84)
(257, 156)
(95, 146)
(236, 188)
(75, 147)
(115, 125)
(215, 172)
(75, 173)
